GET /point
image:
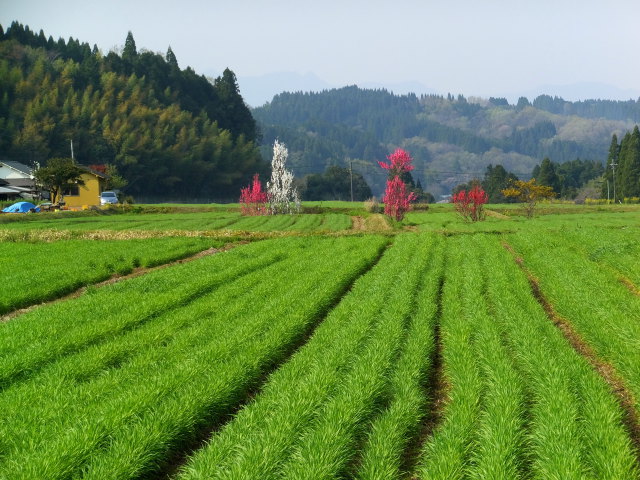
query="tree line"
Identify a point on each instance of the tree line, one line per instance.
(325, 128)
(168, 131)
(622, 175)
(564, 179)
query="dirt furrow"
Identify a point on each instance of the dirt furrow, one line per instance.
(137, 272)
(607, 371)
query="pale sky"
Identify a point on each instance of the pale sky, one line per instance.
(474, 47)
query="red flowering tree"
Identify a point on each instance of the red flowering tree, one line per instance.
(253, 200)
(396, 200)
(399, 163)
(470, 205)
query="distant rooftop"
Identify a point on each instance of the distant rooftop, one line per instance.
(20, 167)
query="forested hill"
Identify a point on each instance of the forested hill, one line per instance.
(169, 131)
(452, 139)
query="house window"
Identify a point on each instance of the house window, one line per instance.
(73, 191)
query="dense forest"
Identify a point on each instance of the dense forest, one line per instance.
(451, 138)
(622, 175)
(174, 134)
(170, 132)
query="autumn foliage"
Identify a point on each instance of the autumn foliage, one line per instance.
(396, 200)
(253, 200)
(470, 205)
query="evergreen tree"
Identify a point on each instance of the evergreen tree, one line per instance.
(335, 184)
(171, 58)
(118, 113)
(495, 180)
(235, 116)
(547, 175)
(129, 52)
(629, 180)
(522, 103)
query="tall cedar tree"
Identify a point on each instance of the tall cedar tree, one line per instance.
(130, 52)
(237, 116)
(171, 58)
(629, 180)
(495, 180)
(547, 175)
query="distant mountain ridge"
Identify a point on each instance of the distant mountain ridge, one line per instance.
(260, 89)
(452, 139)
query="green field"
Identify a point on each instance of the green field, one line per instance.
(329, 344)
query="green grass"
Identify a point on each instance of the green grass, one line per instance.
(394, 429)
(38, 271)
(316, 408)
(202, 221)
(591, 298)
(522, 403)
(127, 400)
(301, 361)
(572, 410)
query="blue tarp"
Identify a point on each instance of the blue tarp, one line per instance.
(21, 207)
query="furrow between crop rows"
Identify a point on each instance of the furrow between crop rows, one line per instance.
(522, 403)
(435, 389)
(127, 420)
(64, 266)
(321, 403)
(414, 389)
(118, 277)
(574, 424)
(613, 379)
(46, 334)
(180, 457)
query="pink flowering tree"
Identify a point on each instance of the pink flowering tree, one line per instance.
(253, 200)
(470, 205)
(399, 163)
(396, 200)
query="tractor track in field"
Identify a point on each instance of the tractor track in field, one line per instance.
(623, 395)
(178, 457)
(136, 272)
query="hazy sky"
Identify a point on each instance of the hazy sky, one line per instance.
(474, 47)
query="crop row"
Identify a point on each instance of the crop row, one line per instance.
(615, 248)
(188, 221)
(603, 311)
(351, 400)
(38, 271)
(115, 402)
(521, 403)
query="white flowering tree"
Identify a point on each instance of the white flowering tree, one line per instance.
(283, 195)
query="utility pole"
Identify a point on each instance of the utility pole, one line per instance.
(613, 167)
(351, 176)
(71, 141)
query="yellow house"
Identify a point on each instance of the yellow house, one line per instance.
(86, 195)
